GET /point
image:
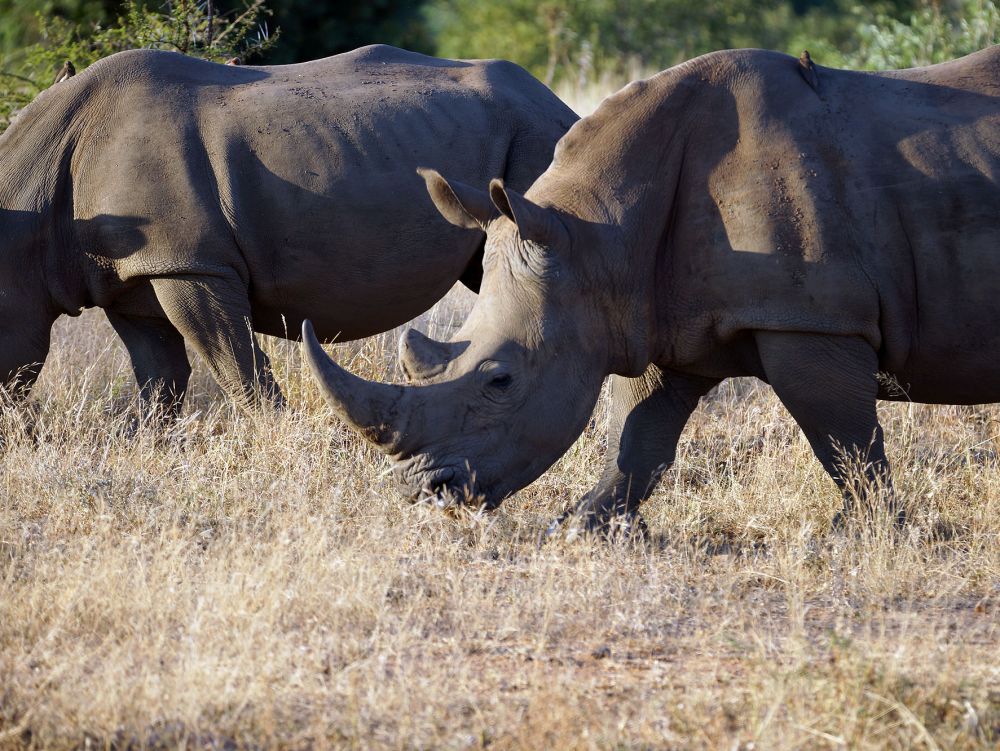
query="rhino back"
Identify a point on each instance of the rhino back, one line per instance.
(310, 170)
(869, 206)
(886, 188)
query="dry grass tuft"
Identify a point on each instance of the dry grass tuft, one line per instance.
(257, 583)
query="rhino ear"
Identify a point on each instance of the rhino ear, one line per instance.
(460, 204)
(533, 222)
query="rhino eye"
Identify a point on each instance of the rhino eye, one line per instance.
(496, 378)
(500, 381)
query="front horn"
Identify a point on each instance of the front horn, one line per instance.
(372, 409)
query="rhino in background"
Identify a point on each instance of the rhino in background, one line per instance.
(720, 219)
(197, 202)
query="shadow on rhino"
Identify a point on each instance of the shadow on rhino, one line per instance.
(35, 290)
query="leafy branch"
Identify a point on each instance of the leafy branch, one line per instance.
(192, 27)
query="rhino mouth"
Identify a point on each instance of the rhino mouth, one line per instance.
(446, 487)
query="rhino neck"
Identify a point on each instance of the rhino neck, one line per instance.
(36, 206)
(617, 174)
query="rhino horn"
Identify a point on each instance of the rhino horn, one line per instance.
(423, 357)
(371, 409)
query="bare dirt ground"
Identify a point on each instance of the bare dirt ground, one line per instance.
(257, 582)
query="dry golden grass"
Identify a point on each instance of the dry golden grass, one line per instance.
(258, 583)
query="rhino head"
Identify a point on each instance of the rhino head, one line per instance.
(487, 413)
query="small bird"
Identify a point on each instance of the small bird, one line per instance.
(808, 70)
(233, 61)
(67, 71)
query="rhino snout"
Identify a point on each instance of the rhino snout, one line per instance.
(446, 487)
(438, 481)
(418, 478)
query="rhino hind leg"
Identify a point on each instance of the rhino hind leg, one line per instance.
(212, 313)
(159, 361)
(829, 385)
(647, 416)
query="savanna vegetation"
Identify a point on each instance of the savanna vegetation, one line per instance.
(255, 581)
(584, 47)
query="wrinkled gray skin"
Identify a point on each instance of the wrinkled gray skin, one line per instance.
(720, 219)
(194, 201)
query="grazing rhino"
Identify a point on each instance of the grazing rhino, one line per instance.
(723, 218)
(197, 202)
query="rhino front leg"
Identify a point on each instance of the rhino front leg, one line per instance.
(828, 384)
(159, 361)
(22, 354)
(647, 416)
(213, 315)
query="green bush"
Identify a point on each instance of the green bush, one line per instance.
(580, 39)
(558, 38)
(930, 35)
(186, 26)
(573, 43)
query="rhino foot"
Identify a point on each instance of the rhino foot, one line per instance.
(608, 521)
(873, 515)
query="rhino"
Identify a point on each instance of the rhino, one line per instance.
(198, 203)
(722, 218)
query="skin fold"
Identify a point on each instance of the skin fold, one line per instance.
(723, 218)
(199, 203)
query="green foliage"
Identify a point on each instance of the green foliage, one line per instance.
(556, 38)
(575, 42)
(581, 39)
(187, 26)
(312, 28)
(932, 34)
(19, 19)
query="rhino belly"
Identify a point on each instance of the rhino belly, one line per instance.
(954, 335)
(946, 375)
(351, 292)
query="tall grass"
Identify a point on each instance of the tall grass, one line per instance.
(257, 582)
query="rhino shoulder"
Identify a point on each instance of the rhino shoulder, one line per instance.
(138, 67)
(386, 54)
(621, 115)
(129, 64)
(514, 86)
